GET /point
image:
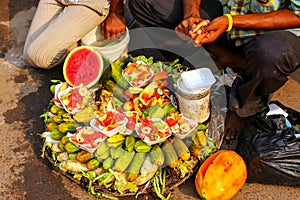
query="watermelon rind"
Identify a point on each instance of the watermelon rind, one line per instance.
(91, 68)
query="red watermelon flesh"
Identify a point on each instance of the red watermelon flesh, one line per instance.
(83, 65)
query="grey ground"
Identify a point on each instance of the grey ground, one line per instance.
(24, 95)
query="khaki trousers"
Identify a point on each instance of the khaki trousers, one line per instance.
(57, 27)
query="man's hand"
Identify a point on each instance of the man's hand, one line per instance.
(186, 25)
(211, 32)
(113, 25)
(196, 29)
(191, 16)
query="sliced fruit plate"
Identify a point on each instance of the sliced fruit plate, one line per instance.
(87, 138)
(137, 73)
(74, 99)
(180, 125)
(110, 123)
(153, 131)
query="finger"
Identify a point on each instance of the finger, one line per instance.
(234, 135)
(192, 35)
(209, 38)
(186, 30)
(181, 27)
(107, 34)
(200, 37)
(228, 142)
(118, 33)
(123, 30)
(106, 31)
(200, 32)
(200, 25)
(230, 135)
(227, 134)
(204, 40)
(102, 29)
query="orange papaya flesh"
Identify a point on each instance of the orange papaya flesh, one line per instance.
(221, 176)
(203, 169)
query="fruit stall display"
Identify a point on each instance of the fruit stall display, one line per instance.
(121, 133)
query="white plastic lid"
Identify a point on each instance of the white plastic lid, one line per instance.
(276, 110)
(197, 78)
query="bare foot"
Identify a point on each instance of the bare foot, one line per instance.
(234, 125)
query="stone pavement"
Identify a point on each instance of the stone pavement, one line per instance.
(24, 95)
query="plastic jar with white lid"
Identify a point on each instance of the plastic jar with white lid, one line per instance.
(193, 103)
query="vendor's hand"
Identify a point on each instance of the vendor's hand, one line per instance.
(186, 25)
(211, 32)
(234, 125)
(113, 25)
(196, 28)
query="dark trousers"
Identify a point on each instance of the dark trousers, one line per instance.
(270, 57)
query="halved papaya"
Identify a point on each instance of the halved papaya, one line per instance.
(221, 176)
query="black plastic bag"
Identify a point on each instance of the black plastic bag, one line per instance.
(271, 149)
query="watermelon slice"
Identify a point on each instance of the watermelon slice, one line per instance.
(83, 65)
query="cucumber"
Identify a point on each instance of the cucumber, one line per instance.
(171, 158)
(108, 163)
(135, 166)
(181, 149)
(157, 155)
(124, 161)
